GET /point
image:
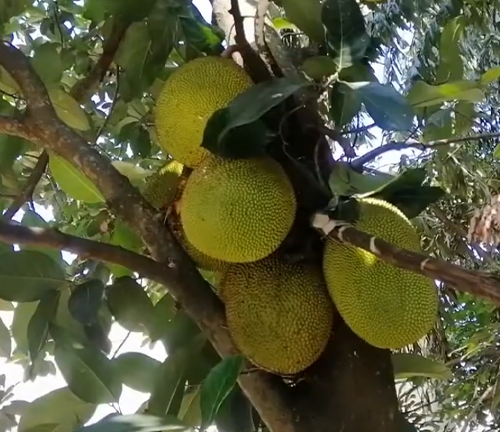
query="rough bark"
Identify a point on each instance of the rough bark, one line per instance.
(351, 387)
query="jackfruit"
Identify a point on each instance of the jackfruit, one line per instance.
(160, 188)
(237, 210)
(200, 259)
(387, 306)
(279, 314)
(187, 100)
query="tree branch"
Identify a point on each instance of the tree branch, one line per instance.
(336, 136)
(29, 187)
(81, 91)
(474, 282)
(431, 145)
(181, 277)
(12, 126)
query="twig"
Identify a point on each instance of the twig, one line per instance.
(29, 187)
(85, 88)
(359, 129)
(371, 155)
(474, 282)
(42, 125)
(253, 63)
(341, 140)
(440, 214)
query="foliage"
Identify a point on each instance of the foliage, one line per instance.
(441, 82)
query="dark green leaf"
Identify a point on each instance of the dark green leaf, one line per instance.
(89, 373)
(10, 148)
(129, 10)
(450, 65)
(161, 318)
(345, 31)
(38, 326)
(60, 407)
(9, 9)
(198, 33)
(217, 386)
(319, 67)
(32, 219)
(253, 103)
(26, 276)
(129, 304)
(306, 15)
(171, 372)
(5, 341)
(137, 371)
(248, 140)
(409, 365)
(86, 300)
(19, 328)
(344, 104)
(235, 413)
(136, 423)
(97, 336)
(389, 109)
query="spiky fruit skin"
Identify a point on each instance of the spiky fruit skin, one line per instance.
(237, 210)
(189, 97)
(387, 306)
(279, 314)
(160, 188)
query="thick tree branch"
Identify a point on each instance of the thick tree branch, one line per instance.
(181, 277)
(81, 91)
(474, 282)
(431, 145)
(12, 126)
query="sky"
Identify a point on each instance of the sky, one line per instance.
(130, 399)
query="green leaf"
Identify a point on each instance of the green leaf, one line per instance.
(248, 140)
(136, 423)
(73, 182)
(137, 371)
(26, 276)
(450, 66)
(409, 365)
(7, 83)
(68, 109)
(6, 306)
(389, 109)
(346, 181)
(59, 407)
(129, 304)
(253, 103)
(489, 76)
(5, 341)
(344, 104)
(47, 63)
(217, 386)
(306, 15)
(126, 238)
(319, 67)
(32, 219)
(345, 31)
(86, 300)
(129, 10)
(89, 373)
(9, 9)
(38, 326)
(19, 328)
(199, 34)
(422, 94)
(407, 192)
(190, 410)
(171, 372)
(464, 117)
(161, 317)
(496, 152)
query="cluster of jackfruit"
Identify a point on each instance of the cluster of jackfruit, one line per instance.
(232, 215)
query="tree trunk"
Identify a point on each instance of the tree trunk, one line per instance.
(351, 387)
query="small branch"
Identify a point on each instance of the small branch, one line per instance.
(253, 63)
(431, 145)
(476, 283)
(341, 140)
(440, 214)
(28, 189)
(86, 87)
(359, 129)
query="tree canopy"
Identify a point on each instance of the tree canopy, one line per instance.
(338, 84)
